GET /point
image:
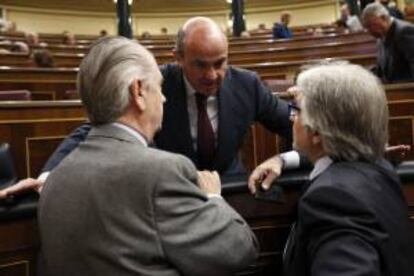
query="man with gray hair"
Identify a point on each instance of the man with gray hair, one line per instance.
(395, 60)
(352, 218)
(116, 207)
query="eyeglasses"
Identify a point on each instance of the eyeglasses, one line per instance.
(293, 110)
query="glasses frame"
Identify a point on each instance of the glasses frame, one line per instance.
(293, 110)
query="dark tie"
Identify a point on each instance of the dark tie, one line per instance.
(205, 135)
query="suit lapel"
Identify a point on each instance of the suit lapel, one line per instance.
(177, 116)
(225, 123)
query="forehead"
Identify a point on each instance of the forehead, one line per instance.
(373, 21)
(205, 42)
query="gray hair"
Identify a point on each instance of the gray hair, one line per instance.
(375, 10)
(188, 26)
(106, 74)
(346, 105)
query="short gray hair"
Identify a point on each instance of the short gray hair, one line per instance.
(375, 10)
(106, 74)
(346, 105)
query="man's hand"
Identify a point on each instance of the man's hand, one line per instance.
(265, 174)
(25, 185)
(209, 182)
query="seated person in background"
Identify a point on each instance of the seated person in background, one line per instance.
(351, 22)
(395, 38)
(20, 47)
(43, 58)
(164, 31)
(146, 35)
(245, 34)
(11, 27)
(281, 30)
(32, 39)
(352, 218)
(117, 207)
(68, 38)
(103, 33)
(261, 28)
(392, 8)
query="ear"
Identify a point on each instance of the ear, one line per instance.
(316, 138)
(177, 56)
(137, 94)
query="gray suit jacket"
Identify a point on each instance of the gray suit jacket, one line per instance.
(116, 207)
(396, 53)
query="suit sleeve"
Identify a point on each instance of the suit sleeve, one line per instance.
(67, 146)
(342, 232)
(272, 112)
(199, 236)
(407, 47)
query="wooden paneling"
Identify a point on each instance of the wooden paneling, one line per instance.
(33, 129)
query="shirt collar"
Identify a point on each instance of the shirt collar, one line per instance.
(189, 88)
(389, 36)
(133, 132)
(320, 166)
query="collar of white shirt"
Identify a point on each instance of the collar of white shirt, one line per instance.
(133, 132)
(320, 166)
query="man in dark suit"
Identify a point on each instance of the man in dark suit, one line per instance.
(114, 206)
(395, 60)
(352, 218)
(235, 98)
(281, 29)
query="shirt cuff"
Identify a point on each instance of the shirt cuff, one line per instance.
(214, 195)
(291, 159)
(43, 176)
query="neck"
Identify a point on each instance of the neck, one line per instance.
(135, 124)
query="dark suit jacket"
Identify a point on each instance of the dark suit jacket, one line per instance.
(116, 207)
(395, 61)
(281, 31)
(352, 220)
(242, 100)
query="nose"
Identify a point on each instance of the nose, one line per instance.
(211, 73)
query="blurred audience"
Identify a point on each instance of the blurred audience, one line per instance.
(68, 38)
(20, 47)
(281, 29)
(103, 33)
(146, 35)
(164, 31)
(392, 8)
(33, 39)
(43, 58)
(348, 21)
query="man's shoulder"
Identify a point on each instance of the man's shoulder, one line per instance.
(241, 73)
(169, 160)
(169, 69)
(401, 26)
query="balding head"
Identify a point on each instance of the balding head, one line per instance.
(200, 29)
(201, 52)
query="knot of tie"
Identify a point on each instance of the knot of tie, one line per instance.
(201, 101)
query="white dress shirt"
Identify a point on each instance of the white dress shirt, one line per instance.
(212, 112)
